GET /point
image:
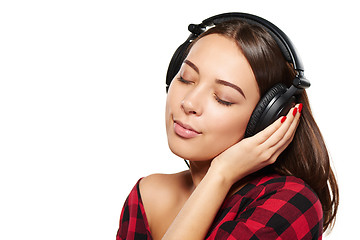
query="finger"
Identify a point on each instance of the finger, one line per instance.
(290, 133)
(288, 137)
(280, 147)
(283, 129)
(292, 129)
(263, 135)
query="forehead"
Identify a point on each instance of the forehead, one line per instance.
(214, 42)
(219, 53)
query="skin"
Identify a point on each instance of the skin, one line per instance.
(177, 205)
(197, 102)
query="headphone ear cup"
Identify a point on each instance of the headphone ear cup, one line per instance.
(259, 110)
(175, 62)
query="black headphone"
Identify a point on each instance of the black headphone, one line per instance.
(279, 99)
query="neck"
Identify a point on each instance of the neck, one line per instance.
(198, 170)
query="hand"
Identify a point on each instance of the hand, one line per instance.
(256, 152)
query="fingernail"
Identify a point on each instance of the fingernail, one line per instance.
(300, 107)
(295, 111)
(283, 119)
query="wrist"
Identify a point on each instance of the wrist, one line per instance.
(220, 177)
(229, 173)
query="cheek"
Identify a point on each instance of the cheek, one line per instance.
(224, 128)
(173, 101)
(229, 127)
(168, 113)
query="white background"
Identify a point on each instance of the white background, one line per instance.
(82, 100)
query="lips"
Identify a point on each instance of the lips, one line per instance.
(184, 130)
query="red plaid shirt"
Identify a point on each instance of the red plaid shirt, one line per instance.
(269, 207)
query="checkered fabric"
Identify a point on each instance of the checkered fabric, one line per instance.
(133, 222)
(269, 207)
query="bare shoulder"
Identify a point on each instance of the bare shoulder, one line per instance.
(163, 195)
(164, 187)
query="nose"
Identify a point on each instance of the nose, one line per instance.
(191, 104)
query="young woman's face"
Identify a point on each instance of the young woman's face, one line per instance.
(210, 100)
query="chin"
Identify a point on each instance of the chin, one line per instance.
(193, 157)
(192, 152)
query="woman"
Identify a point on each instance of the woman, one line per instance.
(275, 184)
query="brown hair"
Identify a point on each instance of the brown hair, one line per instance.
(307, 156)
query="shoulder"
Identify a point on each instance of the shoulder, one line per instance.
(291, 203)
(283, 189)
(157, 182)
(289, 186)
(287, 189)
(162, 186)
(162, 193)
(275, 206)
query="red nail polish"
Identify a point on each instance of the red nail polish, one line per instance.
(295, 111)
(300, 107)
(283, 119)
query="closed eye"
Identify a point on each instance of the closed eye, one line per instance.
(181, 79)
(222, 102)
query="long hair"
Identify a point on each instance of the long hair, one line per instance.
(306, 157)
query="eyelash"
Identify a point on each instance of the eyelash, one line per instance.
(219, 100)
(222, 102)
(181, 79)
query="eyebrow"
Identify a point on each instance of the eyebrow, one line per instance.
(193, 66)
(219, 81)
(225, 83)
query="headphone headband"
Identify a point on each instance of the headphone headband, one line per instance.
(283, 41)
(286, 46)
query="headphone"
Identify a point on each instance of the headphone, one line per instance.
(279, 99)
